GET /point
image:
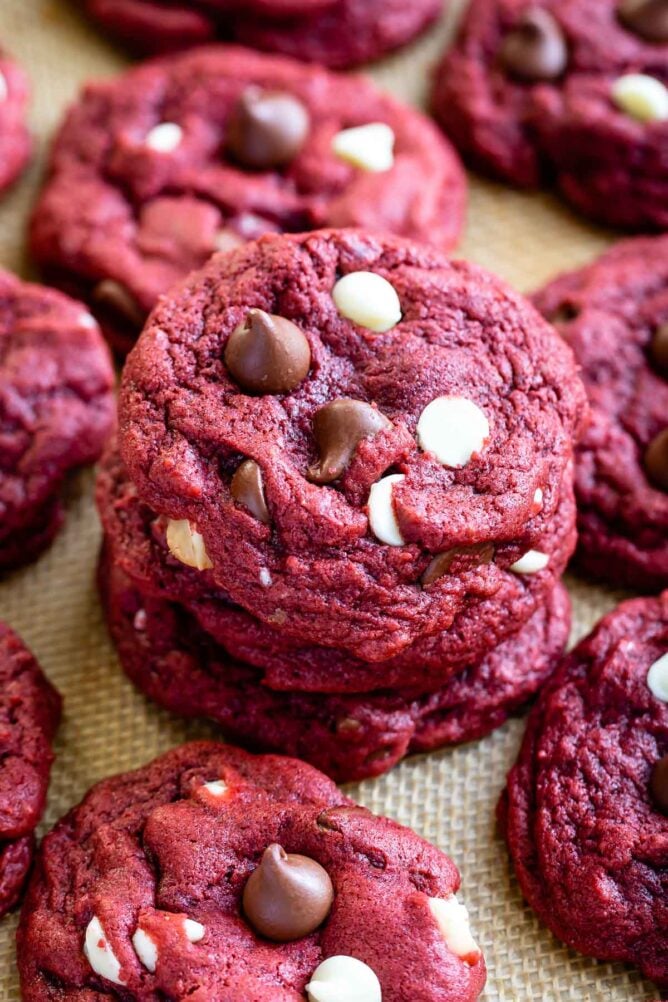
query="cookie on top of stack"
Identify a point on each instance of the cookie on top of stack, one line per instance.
(345, 486)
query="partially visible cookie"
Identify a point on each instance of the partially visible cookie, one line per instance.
(168, 655)
(585, 812)
(614, 315)
(29, 716)
(211, 874)
(335, 33)
(154, 170)
(15, 143)
(57, 409)
(570, 89)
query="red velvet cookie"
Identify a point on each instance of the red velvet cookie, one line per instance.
(57, 409)
(614, 315)
(29, 716)
(210, 874)
(575, 89)
(154, 170)
(394, 407)
(168, 655)
(15, 144)
(336, 33)
(586, 808)
(500, 602)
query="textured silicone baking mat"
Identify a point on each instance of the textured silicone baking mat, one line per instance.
(448, 797)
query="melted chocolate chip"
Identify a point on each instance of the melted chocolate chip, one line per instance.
(267, 354)
(287, 896)
(656, 460)
(338, 428)
(658, 784)
(113, 296)
(658, 349)
(646, 18)
(330, 819)
(482, 553)
(267, 129)
(535, 49)
(247, 489)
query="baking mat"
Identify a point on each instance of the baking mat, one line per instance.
(448, 797)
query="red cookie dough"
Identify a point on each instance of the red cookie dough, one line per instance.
(587, 837)
(57, 408)
(120, 221)
(153, 848)
(500, 603)
(336, 33)
(526, 94)
(168, 656)
(29, 716)
(15, 143)
(614, 315)
(317, 571)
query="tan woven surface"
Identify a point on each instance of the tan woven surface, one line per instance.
(448, 797)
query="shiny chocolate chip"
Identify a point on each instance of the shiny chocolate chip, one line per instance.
(646, 18)
(113, 296)
(338, 428)
(535, 49)
(658, 349)
(267, 354)
(656, 460)
(288, 896)
(247, 489)
(267, 128)
(658, 784)
(481, 553)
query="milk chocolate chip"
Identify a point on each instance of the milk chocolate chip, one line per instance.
(656, 460)
(482, 553)
(647, 18)
(115, 297)
(338, 428)
(535, 49)
(266, 128)
(267, 354)
(247, 489)
(658, 349)
(287, 896)
(658, 784)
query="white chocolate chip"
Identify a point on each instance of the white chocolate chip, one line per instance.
(538, 497)
(532, 562)
(657, 678)
(343, 979)
(453, 921)
(146, 949)
(194, 930)
(87, 320)
(217, 788)
(382, 519)
(265, 577)
(139, 621)
(164, 138)
(99, 953)
(370, 147)
(187, 544)
(367, 299)
(452, 429)
(642, 97)
(4, 89)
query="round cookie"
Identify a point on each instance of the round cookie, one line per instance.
(568, 89)
(614, 315)
(585, 812)
(15, 143)
(29, 716)
(201, 151)
(335, 33)
(57, 404)
(168, 655)
(146, 887)
(500, 603)
(472, 400)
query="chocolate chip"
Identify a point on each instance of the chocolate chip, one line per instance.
(656, 460)
(481, 553)
(288, 896)
(247, 489)
(658, 349)
(111, 295)
(266, 128)
(647, 18)
(267, 354)
(331, 819)
(658, 784)
(535, 49)
(338, 428)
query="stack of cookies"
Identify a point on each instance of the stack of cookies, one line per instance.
(342, 499)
